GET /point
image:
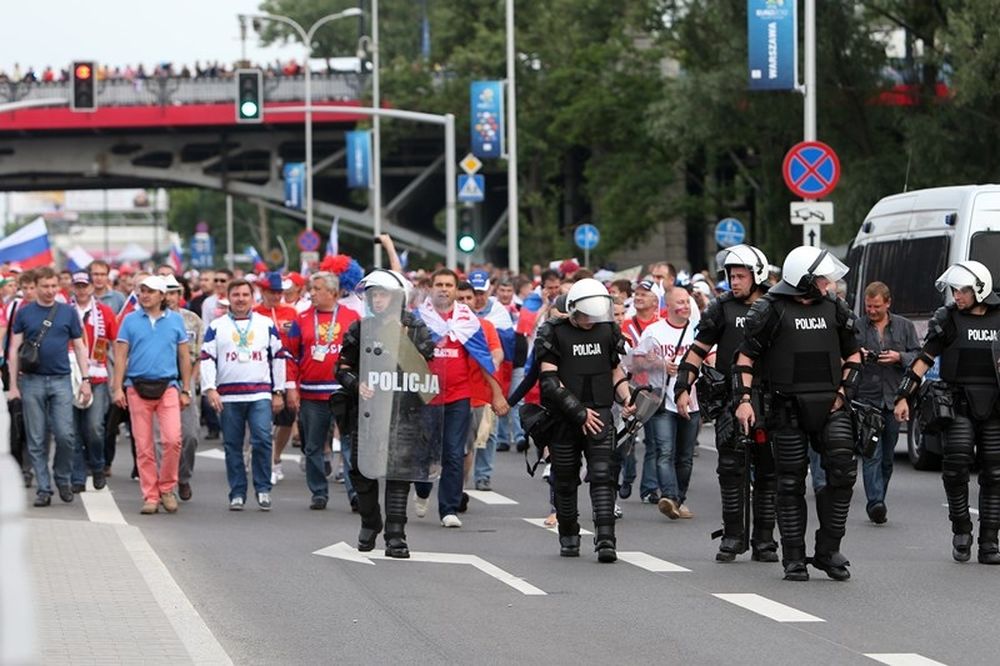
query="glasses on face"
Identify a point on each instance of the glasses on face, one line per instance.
(221, 280)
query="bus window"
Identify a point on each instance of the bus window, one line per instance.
(985, 248)
(892, 262)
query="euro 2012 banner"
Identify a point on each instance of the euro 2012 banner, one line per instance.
(772, 40)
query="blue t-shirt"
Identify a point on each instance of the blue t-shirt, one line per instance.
(54, 352)
(152, 344)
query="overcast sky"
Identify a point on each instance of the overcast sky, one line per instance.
(120, 32)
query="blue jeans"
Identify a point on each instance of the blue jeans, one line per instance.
(669, 455)
(816, 470)
(315, 422)
(485, 456)
(877, 470)
(47, 401)
(235, 418)
(456, 432)
(90, 423)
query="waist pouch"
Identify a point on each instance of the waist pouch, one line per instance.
(868, 426)
(935, 407)
(814, 410)
(982, 399)
(151, 389)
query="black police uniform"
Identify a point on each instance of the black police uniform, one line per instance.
(963, 341)
(723, 325)
(396, 491)
(585, 361)
(799, 348)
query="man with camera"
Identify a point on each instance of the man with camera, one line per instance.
(888, 346)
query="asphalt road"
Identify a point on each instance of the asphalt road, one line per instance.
(268, 598)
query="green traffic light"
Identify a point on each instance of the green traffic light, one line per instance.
(248, 109)
(467, 244)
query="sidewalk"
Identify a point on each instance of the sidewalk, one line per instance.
(103, 596)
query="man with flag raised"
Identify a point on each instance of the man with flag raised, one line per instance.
(458, 336)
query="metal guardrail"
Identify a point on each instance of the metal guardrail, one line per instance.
(340, 86)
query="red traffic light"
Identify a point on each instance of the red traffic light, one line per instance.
(82, 72)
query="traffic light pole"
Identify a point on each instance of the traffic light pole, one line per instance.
(447, 121)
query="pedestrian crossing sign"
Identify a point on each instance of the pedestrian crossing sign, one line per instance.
(471, 188)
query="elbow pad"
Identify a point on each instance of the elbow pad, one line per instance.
(348, 380)
(561, 398)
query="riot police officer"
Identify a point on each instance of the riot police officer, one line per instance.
(580, 374)
(722, 324)
(800, 344)
(963, 334)
(385, 379)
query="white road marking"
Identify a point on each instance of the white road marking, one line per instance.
(489, 497)
(650, 563)
(903, 659)
(540, 522)
(344, 551)
(974, 512)
(101, 506)
(219, 454)
(768, 608)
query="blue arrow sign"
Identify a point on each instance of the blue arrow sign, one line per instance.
(471, 189)
(586, 237)
(729, 232)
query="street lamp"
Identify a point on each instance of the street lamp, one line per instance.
(306, 36)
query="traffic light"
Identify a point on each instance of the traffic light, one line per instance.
(466, 238)
(83, 87)
(249, 96)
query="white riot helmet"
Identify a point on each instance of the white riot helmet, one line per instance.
(801, 268)
(971, 274)
(590, 298)
(747, 256)
(386, 281)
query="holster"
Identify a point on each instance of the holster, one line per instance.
(538, 424)
(713, 391)
(935, 407)
(868, 424)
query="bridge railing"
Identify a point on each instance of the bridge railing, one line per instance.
(338, 86)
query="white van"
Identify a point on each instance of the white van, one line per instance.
(906, 241)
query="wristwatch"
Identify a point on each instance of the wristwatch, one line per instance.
(85, 379)
(278, 392)
(186, 392)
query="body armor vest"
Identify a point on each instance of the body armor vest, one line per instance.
(969, 358)
(804, 356)
(734, 315)
(585, 362)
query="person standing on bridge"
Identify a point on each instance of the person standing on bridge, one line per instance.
(963, 334)
(800, 346)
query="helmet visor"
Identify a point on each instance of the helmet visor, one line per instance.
(955, 277)
(831, 268)
(596, 309)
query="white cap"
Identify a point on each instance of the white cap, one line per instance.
(172, 283)
(155, 282)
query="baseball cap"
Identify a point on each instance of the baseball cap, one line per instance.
(272, 282)
(172, 283)
(480, 280)
(154, 282)
(645, 284)
(81, 278)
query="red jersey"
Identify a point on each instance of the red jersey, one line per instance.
(451, 364)
(314, 342)
(282, 315)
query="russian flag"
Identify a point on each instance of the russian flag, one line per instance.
(28, 246)
(131, 303)
(333, 244)
(464, 327)
(78, 259)
(259, 265)
(175, 258)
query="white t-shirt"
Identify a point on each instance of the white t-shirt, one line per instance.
(673, 347)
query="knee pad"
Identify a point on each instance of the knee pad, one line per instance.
(600, 472)
(790, 448)
(839, 430)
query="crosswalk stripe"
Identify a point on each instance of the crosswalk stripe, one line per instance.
(540, 522)
(650, 563)
(903, 659)
(769, 608)
(489, 497)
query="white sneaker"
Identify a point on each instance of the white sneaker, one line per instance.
(420, 505)
(277, 474)
(236, 504)
(619, 514)
(264, 501)
(451, 520)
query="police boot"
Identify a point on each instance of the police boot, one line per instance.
(829, 559)
(765, 549)
(395, 541)
(989, 552)
(569, 545)
(729, 548)
(368, 534)
(961, 546)
(794, 562)
(604, 544)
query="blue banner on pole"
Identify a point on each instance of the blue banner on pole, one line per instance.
(202, 251)
(359, 158)
(487, 118)
(294, 174)
(772, 41)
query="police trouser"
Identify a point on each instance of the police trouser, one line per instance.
(791, 435)
(733, 481)
(396, 493)
(965, 441)
(568, 443)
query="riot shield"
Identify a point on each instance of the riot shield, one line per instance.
(646, 368)
(400, 425)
